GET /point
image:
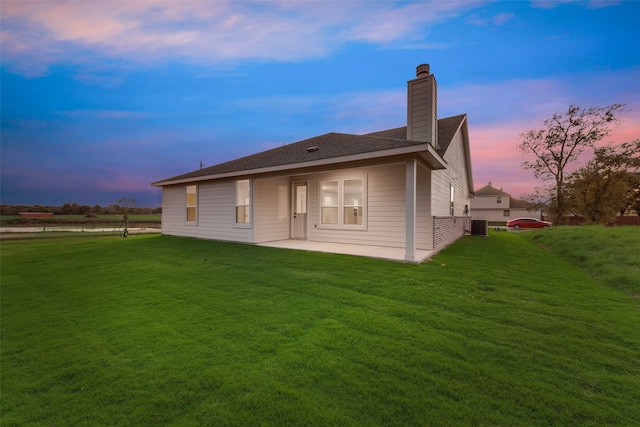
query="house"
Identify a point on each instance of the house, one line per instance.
(495, 205)
(406, 188)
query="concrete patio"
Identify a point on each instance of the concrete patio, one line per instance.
(380, 252)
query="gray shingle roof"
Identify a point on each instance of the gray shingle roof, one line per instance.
(517, 203)
(488, 190)
(330, 145)
(447, 128)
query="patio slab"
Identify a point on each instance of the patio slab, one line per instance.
(380, 252)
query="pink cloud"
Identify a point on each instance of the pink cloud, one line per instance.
(36, 35)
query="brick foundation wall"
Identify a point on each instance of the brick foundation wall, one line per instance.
(447, 230)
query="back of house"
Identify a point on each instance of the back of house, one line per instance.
(408, 187)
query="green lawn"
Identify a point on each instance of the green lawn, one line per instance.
(156, 330)
(612, 254)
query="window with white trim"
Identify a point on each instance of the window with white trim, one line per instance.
(342, 203)
(353, 201)
(192, 203)
(451, 211)
(329, 202)
(243, 201)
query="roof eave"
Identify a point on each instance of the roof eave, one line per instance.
(467, 155)
(426, 151)
(433, 159)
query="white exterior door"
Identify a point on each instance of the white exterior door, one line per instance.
(300, 210)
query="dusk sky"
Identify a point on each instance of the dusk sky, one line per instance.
(101, 98)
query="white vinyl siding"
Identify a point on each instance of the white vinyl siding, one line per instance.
(216, 212)
(424, 219)
(490, 202)
(454, 177)
(502, 214)
(271, 206)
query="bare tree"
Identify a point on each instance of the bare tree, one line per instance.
(560, 142)
(124, 206)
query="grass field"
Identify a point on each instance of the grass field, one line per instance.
(12, 220)
(156, 330)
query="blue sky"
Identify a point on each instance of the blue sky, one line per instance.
(100, 98)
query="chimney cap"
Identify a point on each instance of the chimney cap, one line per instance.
(422, 70)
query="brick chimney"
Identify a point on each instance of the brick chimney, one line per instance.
(422, 102)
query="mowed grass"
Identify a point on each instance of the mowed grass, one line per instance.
(612, 254)
(157, 330)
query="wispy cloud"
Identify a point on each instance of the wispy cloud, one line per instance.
(592, 4)
(104, 114)
(387, 22)
(37, 35)
(495, 20)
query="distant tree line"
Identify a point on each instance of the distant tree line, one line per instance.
(76, 209)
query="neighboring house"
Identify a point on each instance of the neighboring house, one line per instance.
(407, 187)
(493, 204)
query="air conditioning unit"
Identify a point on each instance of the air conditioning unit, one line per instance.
(479, 227)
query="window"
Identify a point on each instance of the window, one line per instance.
(243, 201)
(499, 200)
(192, 203)
(342, 203)
(329, 202)
(353, 203)
(451, 211)
(506, 212)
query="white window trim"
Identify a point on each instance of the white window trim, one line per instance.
(341, 225)
(235, 205)
(186, 220)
